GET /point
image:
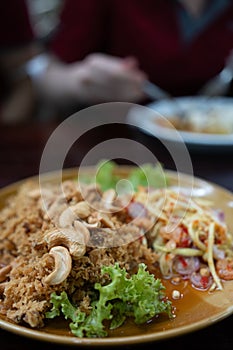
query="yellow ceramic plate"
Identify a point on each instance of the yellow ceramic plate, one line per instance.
(194, 311)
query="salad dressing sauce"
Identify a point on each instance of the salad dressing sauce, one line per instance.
(190, 308)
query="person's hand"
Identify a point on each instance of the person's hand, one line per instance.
(102, 78)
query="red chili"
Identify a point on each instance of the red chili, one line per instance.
(185, 240)
(183, 261)
(204, 281)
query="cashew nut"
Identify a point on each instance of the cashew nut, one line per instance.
(108, 198)
(54, 210)
(63, 265)
(82, 230)
(91, 225)
(81, 210)
(74, 238)
(67, 217)
(105, 220)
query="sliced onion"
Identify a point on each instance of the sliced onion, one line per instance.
(219, 214)
(186, 265)
(218, 253)
(136, 209)
(201, 282)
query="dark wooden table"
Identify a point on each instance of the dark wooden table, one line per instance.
(21, 148)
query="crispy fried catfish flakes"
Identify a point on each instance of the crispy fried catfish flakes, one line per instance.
(29, 241)
(140, 296)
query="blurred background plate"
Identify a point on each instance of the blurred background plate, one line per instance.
(202, 111)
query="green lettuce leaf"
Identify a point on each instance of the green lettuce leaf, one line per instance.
(105, 176)
(147, 175)
(140, 296)
(62, 304)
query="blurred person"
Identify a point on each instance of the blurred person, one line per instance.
(17, 47)
(104, 50)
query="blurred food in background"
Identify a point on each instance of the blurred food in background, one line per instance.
(82, 53)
